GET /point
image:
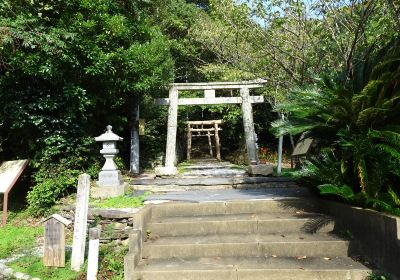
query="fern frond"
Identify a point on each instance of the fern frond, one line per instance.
(394, 196)
(343, 191)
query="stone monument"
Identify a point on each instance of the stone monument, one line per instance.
(110, 183)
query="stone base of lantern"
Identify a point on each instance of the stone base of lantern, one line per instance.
(100, 191)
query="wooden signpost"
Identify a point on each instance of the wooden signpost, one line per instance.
(80, 222)
(54, 241)
(9, 174)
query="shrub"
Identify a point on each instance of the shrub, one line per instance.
(51, 183)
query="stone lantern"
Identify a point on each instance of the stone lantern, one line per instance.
(110, 183)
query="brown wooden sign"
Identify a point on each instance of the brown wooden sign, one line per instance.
(10, 171)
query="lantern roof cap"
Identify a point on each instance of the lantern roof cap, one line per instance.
(108, 136)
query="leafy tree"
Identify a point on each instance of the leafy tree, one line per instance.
(68, 69)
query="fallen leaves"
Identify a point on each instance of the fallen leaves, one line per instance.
(301, 257)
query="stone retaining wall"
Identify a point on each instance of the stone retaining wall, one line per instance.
(378, 233)
(115, 224)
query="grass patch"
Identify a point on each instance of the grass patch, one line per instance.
(186, 163)
(112, 262)
(34, 267)
(15, 238)
(123, 201)
(286, 172)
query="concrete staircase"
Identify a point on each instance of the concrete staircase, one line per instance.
(252, 239)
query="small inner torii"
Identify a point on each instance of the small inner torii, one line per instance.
(245, 99)
(204, 129)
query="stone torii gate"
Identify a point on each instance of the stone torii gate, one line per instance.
(209, 99)
(201, 129)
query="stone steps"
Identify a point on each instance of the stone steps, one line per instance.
(241, 223)
(244, 245)
(279, 206)
(261, 268)
(244, 239)
(210, 183)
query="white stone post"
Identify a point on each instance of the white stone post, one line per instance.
(93, 256)
(248, 125)
(134, 160)
(80, 222)
(170, 154)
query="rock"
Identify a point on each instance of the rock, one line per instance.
(125, 242)
(119, 226)
(166, 171)
(261, 169)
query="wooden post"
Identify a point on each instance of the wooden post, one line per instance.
(170, 154)
(210, 144)
(217, 143)
(93, 257)
(248, 125)
(5, 208)
(80, 226)
(189, 142)
(54, 241)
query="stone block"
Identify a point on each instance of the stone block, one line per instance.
(110, 178)
(261, 169)
(166, 171)
(100, 191)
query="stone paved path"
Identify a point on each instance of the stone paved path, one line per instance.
(231, 194)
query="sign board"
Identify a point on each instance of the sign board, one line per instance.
(9, 174)
(302, 146)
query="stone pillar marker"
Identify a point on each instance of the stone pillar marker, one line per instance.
(80, 222)
(170, 154)
(248, 125)
(93, 256)
(110, 183)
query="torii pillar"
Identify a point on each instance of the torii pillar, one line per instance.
(248, 124)
(170, 154)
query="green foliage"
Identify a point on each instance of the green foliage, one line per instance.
(112, 262)
(51, 184)
(67, 70)
(124, 201)
(359, 128)
(17, 238)
(378, 276)
(33, 266)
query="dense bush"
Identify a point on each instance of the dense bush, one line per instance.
(67, 69)
(356, 124)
